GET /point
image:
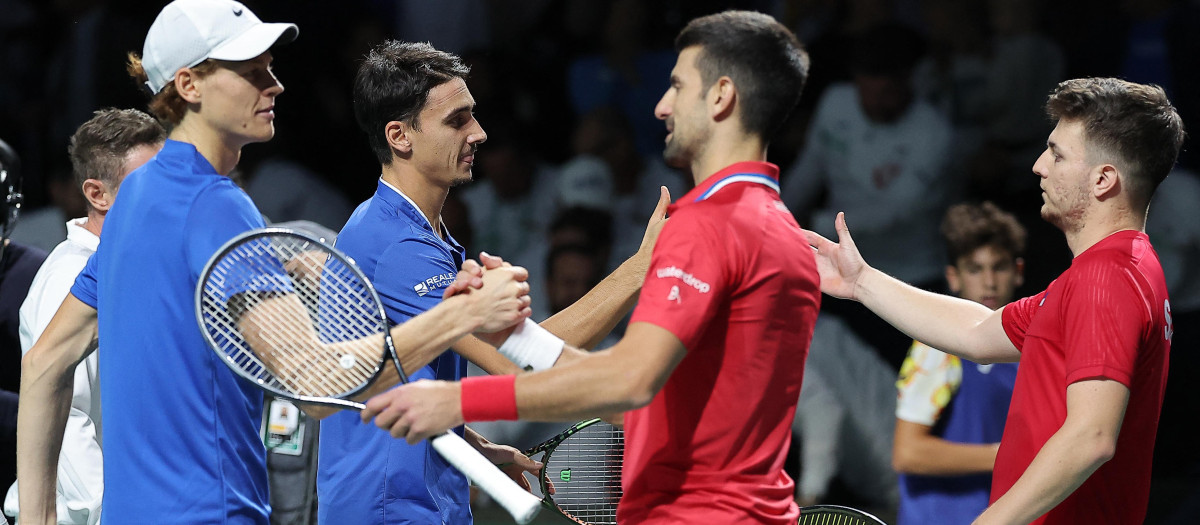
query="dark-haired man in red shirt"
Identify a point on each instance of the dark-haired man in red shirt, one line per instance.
(1094, 345)
(711, 365)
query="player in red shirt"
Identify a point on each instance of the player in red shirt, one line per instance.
(711, 365)
(1094, 345)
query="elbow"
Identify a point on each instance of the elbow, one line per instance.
(1101, 449)
(36, 365)
(635, 394)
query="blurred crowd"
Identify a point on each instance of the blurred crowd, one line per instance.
(912, 106)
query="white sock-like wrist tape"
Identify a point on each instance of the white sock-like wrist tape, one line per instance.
(531, 345)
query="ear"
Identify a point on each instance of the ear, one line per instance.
(952, 280)
(1107, 181)
(187, 84)
(398, 137)
(1019, 268)
(722, 98)
(97, 194)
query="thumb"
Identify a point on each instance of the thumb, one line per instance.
(664, 200)
(843, 231)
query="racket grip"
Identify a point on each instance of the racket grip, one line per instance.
(522, 505)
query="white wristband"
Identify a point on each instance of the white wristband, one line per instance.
(530, 345)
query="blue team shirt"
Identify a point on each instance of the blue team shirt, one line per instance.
(365, 476)
(976, 414)
(181, 442)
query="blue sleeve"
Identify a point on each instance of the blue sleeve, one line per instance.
(84, 288)
(219, 213)
(411, 275)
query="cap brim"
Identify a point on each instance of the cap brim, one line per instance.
(255, 41)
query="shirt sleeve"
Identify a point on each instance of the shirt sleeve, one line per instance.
(50, 287)
(411, 276)
(929, 378)
(84, 288)
(1016, 318)
(1104, 320)
(688, 280)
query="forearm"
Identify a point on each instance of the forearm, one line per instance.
(586, 322)
(933, 456)
(1061, 466)
(484, 356)
(1086, 440)
(592, 386)
(421, 339)
(41, 421)
(959, 328)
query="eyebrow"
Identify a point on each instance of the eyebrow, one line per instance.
(470, 108)
(1050, 144)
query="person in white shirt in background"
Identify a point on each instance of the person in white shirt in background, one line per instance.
(103, 151)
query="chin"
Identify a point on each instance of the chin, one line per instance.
(675, 158)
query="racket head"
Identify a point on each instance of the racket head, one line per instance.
(836, 515)
(584, 464)
(253, 273)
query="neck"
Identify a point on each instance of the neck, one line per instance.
(212, 146)
(724, 149)
(429, 197)
(1098, 229)
(94, 221)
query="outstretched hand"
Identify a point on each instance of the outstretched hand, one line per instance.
(839, 264)
(657, 220)
(417, 411)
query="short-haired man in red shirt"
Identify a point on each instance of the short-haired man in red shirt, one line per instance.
(711, 364)
(1094, 345)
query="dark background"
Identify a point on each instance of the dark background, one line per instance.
(61, 59)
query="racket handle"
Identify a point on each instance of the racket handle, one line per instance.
(522, 505)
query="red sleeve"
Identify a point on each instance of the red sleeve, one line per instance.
(1104, 320)
(1016, 318)
(687, 280)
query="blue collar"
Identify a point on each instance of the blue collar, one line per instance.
(398, 202)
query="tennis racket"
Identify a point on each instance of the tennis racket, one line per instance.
(836, 515)
(299, 319)
(583, 464)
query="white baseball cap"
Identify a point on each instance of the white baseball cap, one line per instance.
(187, 32)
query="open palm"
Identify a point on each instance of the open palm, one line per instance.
(839, 263)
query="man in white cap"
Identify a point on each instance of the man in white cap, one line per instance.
(180, 434)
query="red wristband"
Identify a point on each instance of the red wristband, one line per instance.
(489, 398)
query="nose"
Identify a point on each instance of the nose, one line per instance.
(275, 88)
(1039, 166)
(662, 110)
(989, 279)
(479, 136)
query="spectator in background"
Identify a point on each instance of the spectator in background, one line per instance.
(18, 264)
(950, 413)
(628, 73)
(879, 153)
(512, 202)
(1173, 227)
(845, 420)
(43, 227)
(103, 151)
(609, 173)
(285, 190)
(988, 72)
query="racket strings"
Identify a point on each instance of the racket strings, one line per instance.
(298, 299)
(586, 472)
